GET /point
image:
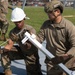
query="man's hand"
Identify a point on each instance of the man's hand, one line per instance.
(7, 47)
(61, 59)
(9, 44)
(28, 45)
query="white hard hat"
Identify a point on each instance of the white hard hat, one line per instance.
(18, 15)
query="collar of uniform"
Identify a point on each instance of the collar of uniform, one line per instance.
(60, 25)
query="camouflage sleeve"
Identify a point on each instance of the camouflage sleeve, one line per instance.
(4, 6)
(5, 27)
(13, 36)
(10, 36)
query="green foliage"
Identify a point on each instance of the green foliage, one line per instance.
(37, 16)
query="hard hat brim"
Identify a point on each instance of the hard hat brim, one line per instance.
(19, 19)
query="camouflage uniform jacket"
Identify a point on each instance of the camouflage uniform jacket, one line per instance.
(4, 6)
(21, 36)
(60, 37)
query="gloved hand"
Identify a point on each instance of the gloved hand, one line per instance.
(56, 60)
(61, 59)
(28, 45)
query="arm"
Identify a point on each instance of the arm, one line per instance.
(41, 34)
(8, 46)
(71, 34)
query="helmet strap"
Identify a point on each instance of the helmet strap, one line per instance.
(55, 15)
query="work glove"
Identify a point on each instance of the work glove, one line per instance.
(61, 59)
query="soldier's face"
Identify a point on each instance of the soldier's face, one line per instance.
(19, 24)
(53, 15)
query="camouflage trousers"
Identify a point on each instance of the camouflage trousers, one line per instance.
(55, 70)
(3, 23)
(33, 66)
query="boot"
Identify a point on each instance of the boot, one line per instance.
(8, 72)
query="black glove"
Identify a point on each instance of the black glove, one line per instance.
(57, 60)
(28, 45)
(61, 59)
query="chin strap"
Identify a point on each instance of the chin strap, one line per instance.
(55, 15)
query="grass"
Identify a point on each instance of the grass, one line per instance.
(70, 11)
(38, 16)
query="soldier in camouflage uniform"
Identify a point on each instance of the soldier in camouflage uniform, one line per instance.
(26, 51)
(59, 34)
(3, 21)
